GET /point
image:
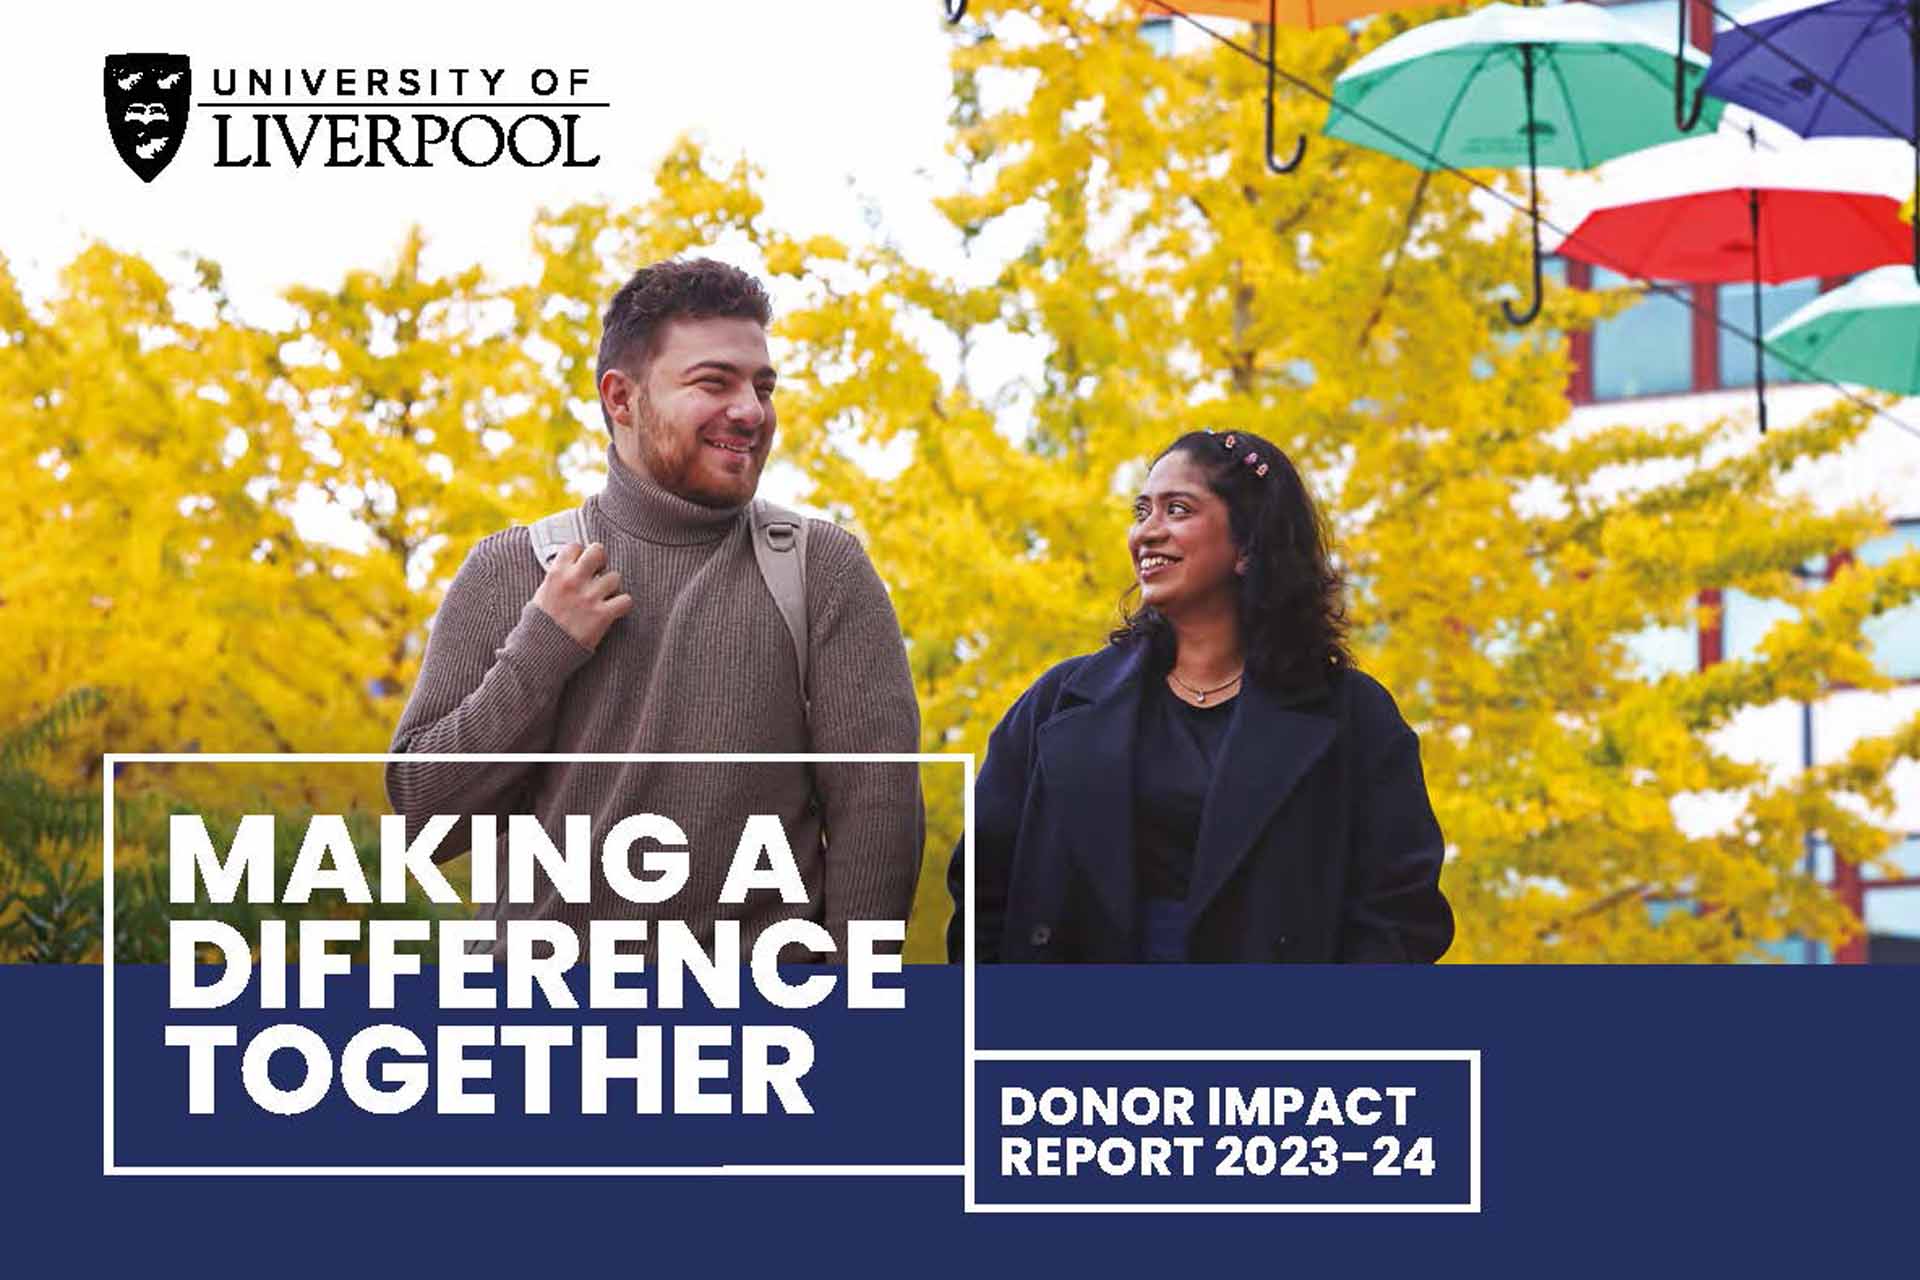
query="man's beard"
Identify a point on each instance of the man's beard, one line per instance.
(675, 475)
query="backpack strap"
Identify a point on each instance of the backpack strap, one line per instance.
(780, 548)
(550, 533)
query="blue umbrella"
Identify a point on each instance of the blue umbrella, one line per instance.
(1835, 68)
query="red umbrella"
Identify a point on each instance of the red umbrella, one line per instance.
(1711, 211)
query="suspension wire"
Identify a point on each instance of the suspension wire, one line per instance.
(1682, 295)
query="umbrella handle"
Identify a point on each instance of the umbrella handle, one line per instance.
(956, 10)
(1300, 146)
(1517, 318)
(1292, 162)
(1683, 119)
(1521, 318)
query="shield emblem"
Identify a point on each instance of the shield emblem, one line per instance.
(148, 96)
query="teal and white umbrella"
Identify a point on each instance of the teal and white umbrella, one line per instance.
(1865, 332)
(1567, 87)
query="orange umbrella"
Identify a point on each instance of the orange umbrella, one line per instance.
(1276, 14)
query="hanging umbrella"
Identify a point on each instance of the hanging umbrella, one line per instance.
(1867, 331)
(1683, 211)
(1837, 68)
(1713, 211)
(1567, 87)
(1828, 68)
(1297, 14)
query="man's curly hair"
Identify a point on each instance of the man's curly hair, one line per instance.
(690, 288)
(1292, 605)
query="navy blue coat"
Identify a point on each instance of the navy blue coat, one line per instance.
(1318, 842)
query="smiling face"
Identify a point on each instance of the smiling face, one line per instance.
(1182, 540)
(699, 417)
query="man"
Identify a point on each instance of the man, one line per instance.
(662, 634)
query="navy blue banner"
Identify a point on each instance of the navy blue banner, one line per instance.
(1759, 1117)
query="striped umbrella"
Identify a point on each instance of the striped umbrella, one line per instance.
(1565, 87)
(1867, 331)
(1687, 211)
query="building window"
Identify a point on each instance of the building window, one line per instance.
(1672, 343)
(1820, 862)
(1904, 859)
(1660, 910)
(1797, 950)
(1660, 651)
(1893, 638)
(1745, 620)
(1646, 350)
(1777, 302)
(1893, 923)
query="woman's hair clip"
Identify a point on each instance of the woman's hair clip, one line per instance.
(1231, 442)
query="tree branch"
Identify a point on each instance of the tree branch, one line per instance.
(1393, 265)
(1632, 893)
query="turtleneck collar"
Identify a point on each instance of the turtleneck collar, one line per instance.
(635, 502)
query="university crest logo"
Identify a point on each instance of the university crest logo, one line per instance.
(148, 97)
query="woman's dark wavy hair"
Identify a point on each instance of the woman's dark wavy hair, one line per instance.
(1293, 617)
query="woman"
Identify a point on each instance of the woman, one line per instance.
(1219, 783)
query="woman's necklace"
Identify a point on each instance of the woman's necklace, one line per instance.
(1200, 696)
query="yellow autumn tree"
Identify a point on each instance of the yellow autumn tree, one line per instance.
(157, 594)
(163, 455)
(142, 442)
(424, 426)
(227, 535)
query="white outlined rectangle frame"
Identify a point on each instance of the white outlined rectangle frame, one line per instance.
(975, 1054)
(1470, 1056)
(111, 759)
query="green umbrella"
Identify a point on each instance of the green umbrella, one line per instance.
(1567, 87)
(1867, 331)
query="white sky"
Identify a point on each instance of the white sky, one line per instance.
(835, 99)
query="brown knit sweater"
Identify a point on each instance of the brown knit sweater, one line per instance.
(702, 663)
